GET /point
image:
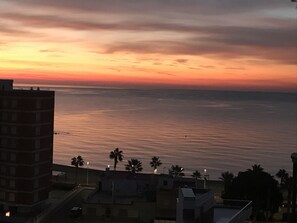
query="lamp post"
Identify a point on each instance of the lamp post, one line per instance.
(205, 176)
(88, 173)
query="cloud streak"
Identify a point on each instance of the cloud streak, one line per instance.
(278, 45)
(156, 6)
(226, 41)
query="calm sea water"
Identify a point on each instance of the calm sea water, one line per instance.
(219, 131)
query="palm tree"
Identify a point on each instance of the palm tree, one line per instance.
(176, 171)
(256, 168)
(155, 163)
(227, 177)
(77, 162)
(283, 175)
(134, 165)
(197, 175)
(116, 155)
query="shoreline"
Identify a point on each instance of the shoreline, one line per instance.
(89, 176)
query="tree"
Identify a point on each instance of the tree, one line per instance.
(197, 175)
(283, 176)
(256, 168)
(227, 178)
(176, 171)
(134, 165)
(77, 162)
(259, 187)
(116, 155)
(155, 163)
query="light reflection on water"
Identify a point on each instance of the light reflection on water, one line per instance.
(178, 126)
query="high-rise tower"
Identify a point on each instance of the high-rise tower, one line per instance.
(26, 147)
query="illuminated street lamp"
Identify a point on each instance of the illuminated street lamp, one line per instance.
(206, 176)
(7, 214)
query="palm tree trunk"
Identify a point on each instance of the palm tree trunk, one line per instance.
(115, 164)
(76, 168)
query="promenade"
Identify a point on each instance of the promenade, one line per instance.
(92, 176)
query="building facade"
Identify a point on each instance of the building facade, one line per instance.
(26, 147)
(292, 212)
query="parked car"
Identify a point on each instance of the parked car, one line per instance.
(75, 212)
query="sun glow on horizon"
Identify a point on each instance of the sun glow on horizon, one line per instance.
(85, 48)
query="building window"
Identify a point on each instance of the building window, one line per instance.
(12, 157)
(3, 169)
(36, 183)
(13, 144)
(14, 117)
(36, 197)
(37, 144)
(3, 182)
(4, 156)
(37, 131)
(36, 171)
(11, 197)
(4, 103)
(14, 103)
(36, 158)
(38, 104)
(13, 130)
(12, 183)
(37, 117)
(165, 183)
(4, 142)
(12, 170)
(2, 195)
(4, 129)
(4, 116)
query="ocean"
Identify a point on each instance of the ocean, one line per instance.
(213, 130)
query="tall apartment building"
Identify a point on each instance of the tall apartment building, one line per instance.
(26, 147)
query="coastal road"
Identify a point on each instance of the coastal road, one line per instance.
(62, 215)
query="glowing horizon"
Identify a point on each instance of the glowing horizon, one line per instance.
(201, 45)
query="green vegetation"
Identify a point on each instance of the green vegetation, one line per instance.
(155, 163)
(77, 162)
(258, 186)
(176, 171)
(116, 155)
(284, 177)
(134, 165)
(197, 175)
(227, 177)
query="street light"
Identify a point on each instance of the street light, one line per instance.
(88, 173)
(205, 178)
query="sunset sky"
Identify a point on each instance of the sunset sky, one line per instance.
(203, 44)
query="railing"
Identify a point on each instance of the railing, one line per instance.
(45, 214)
(243, 214)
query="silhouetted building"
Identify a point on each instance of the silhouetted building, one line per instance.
(126, 197)
(26, 147)
(194, 206)
(293, 214)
